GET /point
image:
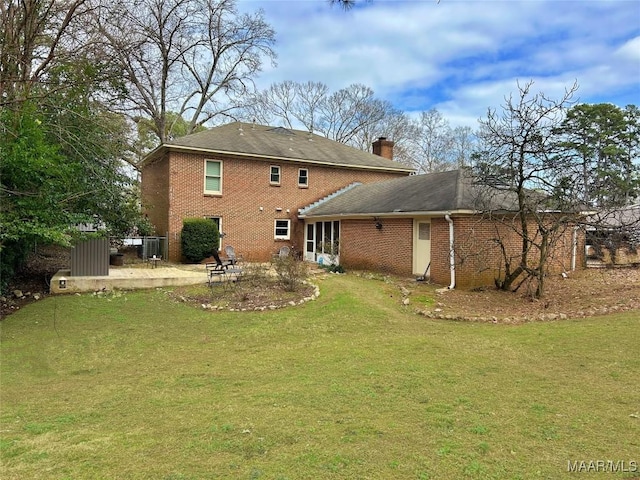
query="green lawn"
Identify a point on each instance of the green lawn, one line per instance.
(352, 385)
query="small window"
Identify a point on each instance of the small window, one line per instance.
(424, 231)
(275, 175)
(212, 177)
(282, 229)
(303, 177)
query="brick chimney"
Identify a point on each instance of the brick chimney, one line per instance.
(383, 148)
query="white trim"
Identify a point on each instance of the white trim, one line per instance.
(313, 255)
(303, 185)
(219, 217)
(355, 216)
(419, 266)
(205, 176)
(275, 228)
(271, 167)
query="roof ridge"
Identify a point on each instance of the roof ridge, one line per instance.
(303, 210)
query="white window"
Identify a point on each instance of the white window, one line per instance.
(282, 229)
(212, 177)
(303, 177)
(274, 178)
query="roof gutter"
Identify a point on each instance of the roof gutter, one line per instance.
(355, 216)
(574, 252)
(452, 258)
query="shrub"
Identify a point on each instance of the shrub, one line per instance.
(332, 268)
(254, 274)
(200, 238)
(291, 272)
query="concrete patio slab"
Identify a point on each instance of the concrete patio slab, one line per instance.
(129, 278)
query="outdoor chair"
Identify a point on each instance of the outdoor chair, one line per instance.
(282, 253)
(231, 255)
(225, 270)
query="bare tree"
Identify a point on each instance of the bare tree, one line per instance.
(289, 103)
(311, 97)
(350, 115)
(346, 112)
(35, 37)
(433, 146)
(196, 58)
(355, 117)
(396, 126)
(462, 145)
(516, 162)
(347, 4)
(434, 143)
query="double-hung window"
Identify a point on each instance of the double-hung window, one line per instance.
(274, 178)
(303, 177)
(212, 177)
(282, 229)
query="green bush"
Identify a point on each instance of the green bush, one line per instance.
(336, 269)
(200, 238)
(333, 268)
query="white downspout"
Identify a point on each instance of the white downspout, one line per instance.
(452, 259)
(574, 253)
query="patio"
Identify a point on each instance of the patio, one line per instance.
(129, 278)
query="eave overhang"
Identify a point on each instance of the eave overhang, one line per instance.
(356, 216)
(162, 149)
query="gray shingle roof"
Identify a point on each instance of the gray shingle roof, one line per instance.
(435, 192)
(280, 143)
(623, 217)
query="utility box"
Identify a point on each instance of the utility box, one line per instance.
(90, 258)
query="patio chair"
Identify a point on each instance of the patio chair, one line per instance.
(225, 270)
(231, 255)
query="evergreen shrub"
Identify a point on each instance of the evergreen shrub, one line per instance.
(200, 238)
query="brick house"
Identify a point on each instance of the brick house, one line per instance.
(268, 187)
(252, 180)
(425, 224)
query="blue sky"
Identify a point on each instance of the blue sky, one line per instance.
(459, 57)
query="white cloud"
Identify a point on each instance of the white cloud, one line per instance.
(459, 56)
(630, 52)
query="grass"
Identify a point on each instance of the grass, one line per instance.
(352, 385)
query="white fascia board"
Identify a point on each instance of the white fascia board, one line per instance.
(355, 216)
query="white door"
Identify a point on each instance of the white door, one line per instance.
(422, 241)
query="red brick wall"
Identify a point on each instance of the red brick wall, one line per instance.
(155, 194)
(478, 258)
(245, 188)
(388, 250)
